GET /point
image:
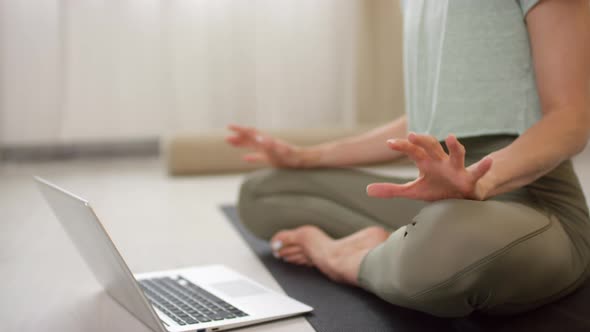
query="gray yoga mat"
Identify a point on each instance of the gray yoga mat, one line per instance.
(342, 308)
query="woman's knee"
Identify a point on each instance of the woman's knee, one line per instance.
(265, 195)
(441, 263)
(250, 206)
(413, 273)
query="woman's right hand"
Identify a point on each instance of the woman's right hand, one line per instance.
(269, 150)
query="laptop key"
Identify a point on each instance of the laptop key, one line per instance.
(187, 303)
(192, 321)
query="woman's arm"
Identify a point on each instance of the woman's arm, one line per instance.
(366, 148)
(362, 149)
(560, 39)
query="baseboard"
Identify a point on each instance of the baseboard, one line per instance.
(149, 147)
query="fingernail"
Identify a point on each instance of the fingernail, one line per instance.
(392, 141)
(259, 139)
(276, 245)
(276, 255)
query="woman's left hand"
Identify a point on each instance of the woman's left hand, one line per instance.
(442, 175)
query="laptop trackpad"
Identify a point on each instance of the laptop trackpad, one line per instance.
(238, 288)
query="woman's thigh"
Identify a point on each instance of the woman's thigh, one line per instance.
(458, 256)
(333, 199)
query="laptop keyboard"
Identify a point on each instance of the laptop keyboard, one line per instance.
(187, 303)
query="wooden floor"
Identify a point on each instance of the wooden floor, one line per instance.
(158, 222)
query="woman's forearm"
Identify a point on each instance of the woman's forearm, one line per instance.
(366, 148)
(559, 34)
(555, 138)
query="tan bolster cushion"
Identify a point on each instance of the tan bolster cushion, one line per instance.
(207, 152)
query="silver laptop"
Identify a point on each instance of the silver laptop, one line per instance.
(204, 298)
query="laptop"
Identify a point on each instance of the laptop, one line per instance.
(203, 298)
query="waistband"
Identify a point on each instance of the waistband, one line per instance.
(479, 146)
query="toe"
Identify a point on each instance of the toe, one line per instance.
(290, 250)
(283, 239)
(297, 236)
(298, 259)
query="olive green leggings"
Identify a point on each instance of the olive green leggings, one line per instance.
(449, 258)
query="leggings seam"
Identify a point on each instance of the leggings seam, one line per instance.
(484, 261)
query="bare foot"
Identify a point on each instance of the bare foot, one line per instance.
(286, 247)
(338, 259)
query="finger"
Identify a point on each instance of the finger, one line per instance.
(290, 250)
(242, 129)
(256, 157)
(404, 146)
(249, 134)
(238, 141)
(239, 131)
(243, 136)
(234, 127)
(480, 169)
(257, 142)
(456, 152)
(252, 138)
(429, 144)
(389, 190)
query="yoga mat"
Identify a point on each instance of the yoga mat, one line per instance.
(343, 308)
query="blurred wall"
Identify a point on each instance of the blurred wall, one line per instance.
(75, 70)
(30, 90)
(380, 71)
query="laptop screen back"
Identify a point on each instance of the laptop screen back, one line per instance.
(98, 251)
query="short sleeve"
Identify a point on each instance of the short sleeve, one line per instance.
(527, 5)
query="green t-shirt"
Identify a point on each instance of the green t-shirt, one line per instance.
(468, 67)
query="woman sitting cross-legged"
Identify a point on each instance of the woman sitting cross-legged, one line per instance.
(497, 96)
